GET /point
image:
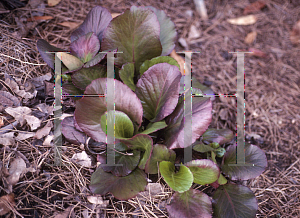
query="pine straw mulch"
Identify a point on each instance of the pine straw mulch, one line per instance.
(272, 102)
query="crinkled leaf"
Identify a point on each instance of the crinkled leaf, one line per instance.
(95, 60)
(85, 47)
(200, 147)
(45, 48)
(90, 109)
(83, 77)
(158, 90)
(253, 155)
(123, 188)
(168, 32)
(220, 136)
(180, 181)
(234, 201)
(71, 89)
(201, 118)
(204, 171)
(71, 133)
(123, 126)
(70, 61)
(129, 161)
(96, 21)
(136, 34)
(142, 142)
(153, 127)
(161, 59)
(190, 204)
(159, 153)
(126, 74)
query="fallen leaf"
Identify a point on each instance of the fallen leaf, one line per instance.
(7, 141)
(8, 100)
(179, 59)
(97, 200)
(49, 88)
(1, 121)
(39, 81)
(66, 214)
(115, 15)
(245, 20)
(71, 25)
(194, 33)
(24, 135)
(295, 33)
(44, 131)
(254, 7)
(257, 52)
(46, 109)
(82, 159)
(53, 2)
(250, 37)
(22, 114)
(36, 18)
(48, 139)
(15, 88)
(182, 42)
(7, 202)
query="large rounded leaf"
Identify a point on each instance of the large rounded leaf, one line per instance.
(180, 181)
(71, 133)
(96, 21)
(123, 125)
(201, 118)
(70, 61)
(127, 75)
(129, 161)
(159, 153)
(204, 171)
(136, 34)
(190, 204)
(167, 31)
(47, 52)
(234, 201)
(85, 47)
(90, 109)
(161, 59)
(253, 155)
(142, 142)
(220, 136)
(83, 77)
(158, 90)
(123, 188)
(153, 127)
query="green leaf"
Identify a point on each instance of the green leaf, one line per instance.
(220, 152)
(204, 171)
(70, 61)
(123, 125)
(234, 201)
(220, 136)
(142, 142)
(127, 74)
(71, 89)
(168, 32)
(200, 147)
(190, 204)
(222, 180)
(123, 188)
(136, 34)
(161, 59)
(158, 90)
(180, 181)
(253, 155)
(83, 77)
(129, 161)
(153, 127)
(159, 153)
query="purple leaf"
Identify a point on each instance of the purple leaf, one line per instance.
(201, 118)
(220, 136)
(136, 34)
(85, 47)
(71, 133)
(158, 90)
(96, 21)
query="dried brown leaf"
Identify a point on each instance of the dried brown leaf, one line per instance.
(15, 88)
(44, 131)
(179, 59)
(82, 159)
(254, 7)
(71, 25)
(22, 114)
(115, 14)
(97, 200)
(7, 202)
(257, 52)
(250, 37)
(295, 33)
(245, 20)
(66, 214)
(36, 18)
(53, 2)
(17, 169)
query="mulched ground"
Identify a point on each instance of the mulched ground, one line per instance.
(272, 98)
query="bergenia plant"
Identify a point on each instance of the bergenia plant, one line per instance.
(149, 117)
